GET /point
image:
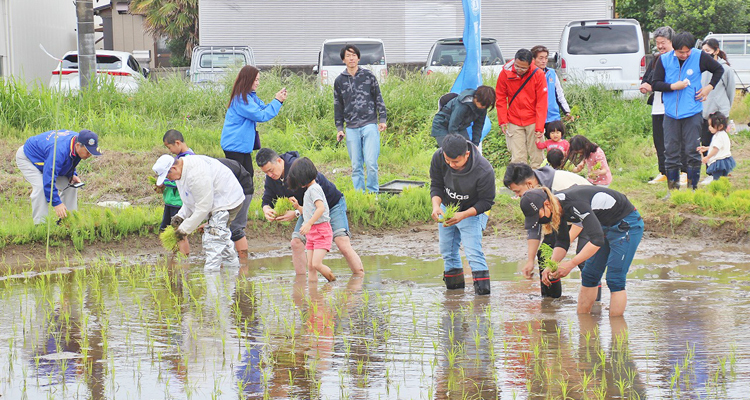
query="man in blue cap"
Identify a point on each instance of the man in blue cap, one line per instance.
(48, 161)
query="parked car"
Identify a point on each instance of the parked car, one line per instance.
(609, 52)
(447, 56)
(118, 66)
(330, 65)
(738, 53)
(210, 64)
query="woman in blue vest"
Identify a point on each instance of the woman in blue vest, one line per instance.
(677, 75)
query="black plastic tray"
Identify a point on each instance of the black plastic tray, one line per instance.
(398, 185)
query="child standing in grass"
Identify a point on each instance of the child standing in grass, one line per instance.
(555, 131)
(175, 142)
(584, 152)
(314, 208)
(719, 161)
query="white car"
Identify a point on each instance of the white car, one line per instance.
(120, 67)
(330, 65)
(447, 56)
(607, 52)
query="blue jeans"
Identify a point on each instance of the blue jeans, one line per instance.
(363, 145)
(468, 232)
(339, 222)
(620, 243)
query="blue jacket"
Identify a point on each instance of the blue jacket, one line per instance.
(458, 115)
(40, 150)
(238, 134)
(681, 104)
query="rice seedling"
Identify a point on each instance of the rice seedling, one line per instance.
(282, 205)
(450, 211)
(547, 261)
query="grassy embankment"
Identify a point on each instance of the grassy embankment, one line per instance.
(131, 127)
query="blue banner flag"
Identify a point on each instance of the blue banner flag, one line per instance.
(470, 76)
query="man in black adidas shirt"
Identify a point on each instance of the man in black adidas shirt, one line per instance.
(460, 176)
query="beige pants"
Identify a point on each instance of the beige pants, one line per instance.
(521, 141)
(39, 208)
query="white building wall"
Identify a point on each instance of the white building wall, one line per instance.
(28, 23)
(291, 32)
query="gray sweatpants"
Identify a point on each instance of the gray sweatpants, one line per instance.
(39, 208)
(217, 242)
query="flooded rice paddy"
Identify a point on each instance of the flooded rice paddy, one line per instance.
(113, 330)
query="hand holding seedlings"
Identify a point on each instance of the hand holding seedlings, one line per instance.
(284, 209)
(448, 217)
(546, 260)
(176, 221)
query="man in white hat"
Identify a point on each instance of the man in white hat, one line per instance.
(209, 190)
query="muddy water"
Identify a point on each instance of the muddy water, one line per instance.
(158, 331)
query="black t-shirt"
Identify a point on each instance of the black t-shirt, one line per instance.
(593, 207)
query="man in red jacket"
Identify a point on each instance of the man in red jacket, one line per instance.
(521, 104)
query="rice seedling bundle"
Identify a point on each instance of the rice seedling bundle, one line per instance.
(450, 211)
(169, 239)
(283, 204)
(152, 180)
(546, 258)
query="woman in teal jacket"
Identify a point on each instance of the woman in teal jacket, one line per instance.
(239, 137)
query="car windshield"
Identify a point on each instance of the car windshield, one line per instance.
(603, 39)
(102, 62)
(454, 54)
(370, 54)
(222, 60)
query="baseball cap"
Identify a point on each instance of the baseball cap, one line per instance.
(531, 202)
(162, 166)
(90, 140)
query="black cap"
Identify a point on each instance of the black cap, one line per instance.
(531, 202)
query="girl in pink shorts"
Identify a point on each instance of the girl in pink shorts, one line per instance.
(315, 213)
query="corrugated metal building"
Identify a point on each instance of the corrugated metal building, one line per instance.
(25, 24)
(291, 32)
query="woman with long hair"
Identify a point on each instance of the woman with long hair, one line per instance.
(720, 99)
(245, 110)
(614, 229)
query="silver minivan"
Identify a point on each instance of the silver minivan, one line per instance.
(447, 57)
(210, 64)
(737, 47)
(330, 65)
(609, 52)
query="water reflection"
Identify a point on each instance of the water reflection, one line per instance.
(172, 331)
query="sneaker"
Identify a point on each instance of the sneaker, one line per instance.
(658, 179)
(706, 181)
(683, 179)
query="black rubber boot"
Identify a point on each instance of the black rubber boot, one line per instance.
(554, 290)
(693, 176)
(454, 278)
(673, 181)
(481, 282)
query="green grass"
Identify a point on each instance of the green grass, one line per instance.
(131, 127)
(90, 224)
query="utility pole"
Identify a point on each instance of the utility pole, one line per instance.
(86, 52)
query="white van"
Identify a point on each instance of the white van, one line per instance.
(737, 47)
(210, 64)
(330, 65)
(608, 52)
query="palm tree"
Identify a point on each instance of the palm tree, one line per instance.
(175, 19)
